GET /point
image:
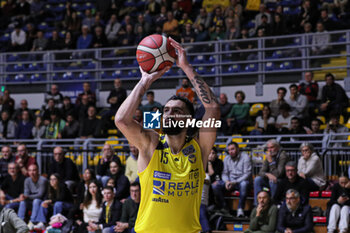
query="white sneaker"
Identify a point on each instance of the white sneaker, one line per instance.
(30, 226)
(40, 226)
(240, 213)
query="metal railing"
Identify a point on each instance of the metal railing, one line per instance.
(86, 152)
(257, 57)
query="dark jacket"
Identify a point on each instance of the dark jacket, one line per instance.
(335, 94)
(284, 184)
(300, 222)
(276, 167)
(120, 94)
(13, 188)
(63, 195)
(129, 213)
(122, 185)
(338, 191)
(103, 166)
(114, 215)
(218, 167)
(67, 169)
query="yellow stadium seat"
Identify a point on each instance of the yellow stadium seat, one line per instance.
(348, 124)
(255, 108)
(238, 139)
(322, 118)
(113, 140)
(341, 119)
(79, 160)
(112, 131)
(322, 127)
(97, 159)
(250, 128)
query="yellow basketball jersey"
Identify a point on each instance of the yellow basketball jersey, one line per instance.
(171, 189)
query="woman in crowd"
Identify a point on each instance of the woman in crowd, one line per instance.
(38, 131)
(265, 123)
(59, 198)
(122, 183)
(92, 206)
(310, 167)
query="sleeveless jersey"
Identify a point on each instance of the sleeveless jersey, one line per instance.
(171, 189)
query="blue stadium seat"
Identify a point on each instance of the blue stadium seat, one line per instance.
(250, 24)
(20, 78)
(296, 11)
(12, 58)
(201, 70)
(269, 66)
(43, 26)
(277, 54)
(342, 38)
(10, 68)
(211, 70)
(199, 59)
(86, 6)
(68, 76)
(129, 3)
(104, 75)
(18, 67)
(234, 68)
(119, 64)
(211, 59)
(53, 2)
(36, 77)
(134, 73)
(56, 77)
(117, 74)
(251, 67)
(135, 63)
(85, 75)
(33, 67)
(62, 34)
(59, 8)
(5, 38)
(286, 65)
(287, 10)
(90, 65)
(48, 35)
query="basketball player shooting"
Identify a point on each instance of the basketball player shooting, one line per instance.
(171, 166)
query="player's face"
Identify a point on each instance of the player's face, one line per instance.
(174, 110)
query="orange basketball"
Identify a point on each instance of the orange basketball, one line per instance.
(154, 52)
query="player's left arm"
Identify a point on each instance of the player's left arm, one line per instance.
(207, 136)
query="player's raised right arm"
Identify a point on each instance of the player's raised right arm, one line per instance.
(124, 121)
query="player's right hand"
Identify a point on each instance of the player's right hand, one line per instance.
(150, 78)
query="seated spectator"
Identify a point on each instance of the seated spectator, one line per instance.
(55, 127)
(64, 167)
(320, 40)
(18, 39)
(232, 31)
(264, 25)
(88, 19)
(131, 164)
(48, 111)
(35, 190)
(5, 159)
(82, 191)
(73, 23)
(99, 39)
(116, 97)
(308, 14)
(297, 102)
(17, 116)
(92, 207)
(235, 176)
(334, 98)
(218, 33)
(329, 24)
(283, 122)
(7, 126)
(151, 103)
(309, 88)
(263, 217)
(294, 216)
(143, 23)
(39, 129)
(203, 19)
(71, 129)
(23, 159)
(265, 123)
(59, 199)
(68, 108)
(138, 117)
(54, 94)
(40, 43)
(31, 35)
(291, 181)
(152, 7)
(128, 37)
(217, 19)
(171, 26)
(333, 126)
(315, 127)
(22, 10)
(187, 35)
(85, 39)
(11, 192)
(112, 29)
(272, 168)
(258, 17)
(215, 166)
(24, 127)
(68, 43)
(111, 212)
(238, 115)
(202, 34)
(91, 126)
(121, 181)
(296, 127)
(55, 42)
(82, 109)
(130, 209)
(278, 27)
(225, 108)
(108, 155)
(8, 103)
(339, 206)
(310, 168)
(185, 90)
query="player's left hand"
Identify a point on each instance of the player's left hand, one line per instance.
(181, 60)
(150, 78)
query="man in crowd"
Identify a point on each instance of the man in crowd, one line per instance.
(91, 127)
(272, 168)
(225, 108)
(11, 193)
(130, 209)
(297, 102)
(335, 127)
(35, 189)
(151, 104)
(263, 217)
(55, 95)
(23, 159)
(131, 164)
(87, 91)
(24, 126)
(108, 155)
(294, 216)
(291, 181)
(17, 116)
(309, 88)
(6, 158)
(116, 96)
(111, 212)
(235, 176)
(185, 90)
(64, 167)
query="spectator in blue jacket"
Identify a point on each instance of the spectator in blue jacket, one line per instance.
(85, 39)
(293, 216)
(25, 126)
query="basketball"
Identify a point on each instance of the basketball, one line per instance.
(154, 53)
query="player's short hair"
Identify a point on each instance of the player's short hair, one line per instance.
(188, 103)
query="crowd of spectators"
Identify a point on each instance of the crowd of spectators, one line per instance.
(118, 23)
